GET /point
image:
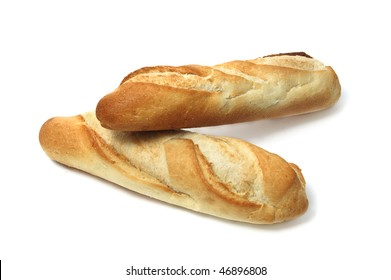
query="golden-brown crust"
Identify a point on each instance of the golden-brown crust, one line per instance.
(167, 97)
(70, 141)
(194, 177)
(57, 137)
(115, 110)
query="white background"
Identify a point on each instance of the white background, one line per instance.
(61, 57)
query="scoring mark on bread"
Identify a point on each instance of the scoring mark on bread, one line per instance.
(224, 185)
(125, 166)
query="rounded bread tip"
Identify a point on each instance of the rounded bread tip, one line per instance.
(46, 133)
(100, 111)
(106, 112)
(58, 134)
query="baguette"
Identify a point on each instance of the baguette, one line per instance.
(219, 176)
(166, 97)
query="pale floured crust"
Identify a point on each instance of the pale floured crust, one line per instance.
(220, 176)
(168, 97)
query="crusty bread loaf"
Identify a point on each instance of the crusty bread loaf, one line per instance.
(166, 97)
(220, 176)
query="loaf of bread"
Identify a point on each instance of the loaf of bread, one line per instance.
(220, 176)
(166, 97)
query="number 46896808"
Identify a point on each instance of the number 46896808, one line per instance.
(239, 270)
